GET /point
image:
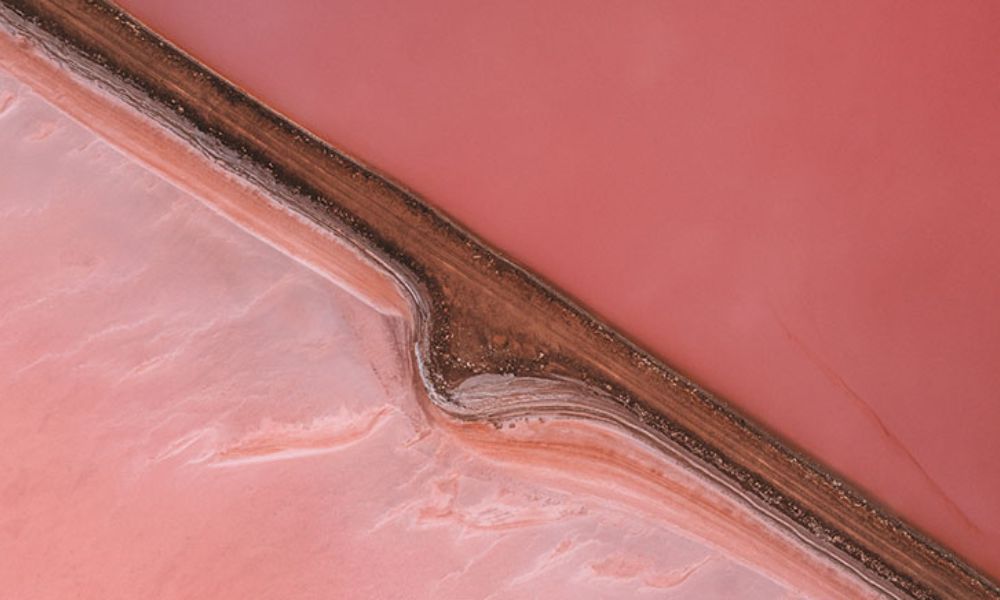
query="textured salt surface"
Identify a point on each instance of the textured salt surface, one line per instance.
(793, 203)
(189, 413)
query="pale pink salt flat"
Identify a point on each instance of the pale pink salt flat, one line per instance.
(795, 203)
(191, 410)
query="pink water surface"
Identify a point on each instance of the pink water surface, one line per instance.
(794, 202)
(190, 410)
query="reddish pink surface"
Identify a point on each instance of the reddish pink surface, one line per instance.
(794, 202)
(189, 412)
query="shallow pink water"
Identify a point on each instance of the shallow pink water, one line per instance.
(793, 202)
(191, 412)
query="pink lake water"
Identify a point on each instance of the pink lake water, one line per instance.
(193, 406)
(795, 203)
